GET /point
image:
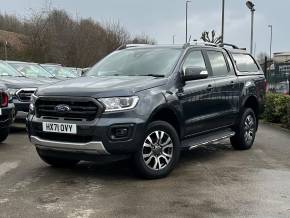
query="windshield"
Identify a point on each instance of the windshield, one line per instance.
(137, 62)
(76, 71)
(59, 71)
(6, 70)
(31, 70)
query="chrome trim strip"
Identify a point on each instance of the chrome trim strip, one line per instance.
(25, 90)
(214, 140)
(90, 147)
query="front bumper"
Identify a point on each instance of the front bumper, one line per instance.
(89, 148)
(6, 116)
(93, 137)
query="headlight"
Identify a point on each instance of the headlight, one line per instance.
(32, 103)
(119, 103)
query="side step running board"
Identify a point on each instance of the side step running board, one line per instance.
(197, 141)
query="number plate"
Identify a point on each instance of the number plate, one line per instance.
(59, 127)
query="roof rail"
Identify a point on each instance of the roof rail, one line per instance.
(131, 46)
(228, 44)
(201, 43)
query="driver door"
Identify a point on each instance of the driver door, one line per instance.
(196, 96)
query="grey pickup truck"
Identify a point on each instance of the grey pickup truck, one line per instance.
(149, 102)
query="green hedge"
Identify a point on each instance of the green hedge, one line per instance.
(277, 109)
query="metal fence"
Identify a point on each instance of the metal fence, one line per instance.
(278, 78)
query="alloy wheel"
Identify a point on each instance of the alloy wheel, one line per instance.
(250, 128)
(157, 150)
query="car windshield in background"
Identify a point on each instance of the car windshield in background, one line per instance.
(31, 70)
(137, 62)
(6, 70)
(76, 71)
(59, 71)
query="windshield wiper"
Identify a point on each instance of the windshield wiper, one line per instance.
(154, 75)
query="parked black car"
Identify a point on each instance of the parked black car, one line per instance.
(6, 113)
(20, 88)
(149, 103)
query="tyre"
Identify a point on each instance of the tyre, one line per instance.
(57, 162)
(245, 131)
(159, 153)
(4, 134)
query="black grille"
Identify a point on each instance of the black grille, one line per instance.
(79, 108)
(25, 94)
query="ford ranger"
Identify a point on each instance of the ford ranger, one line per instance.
(150, 102)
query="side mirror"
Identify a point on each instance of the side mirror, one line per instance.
(194, 73)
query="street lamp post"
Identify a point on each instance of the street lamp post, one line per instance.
(186, 15)
(223, 21)
(271, 39)
(5, 49)
(251, 6)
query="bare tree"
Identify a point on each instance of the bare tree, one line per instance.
(116, 35)
(143, 39)
(212, 39)
(52, 35)
(261, 56)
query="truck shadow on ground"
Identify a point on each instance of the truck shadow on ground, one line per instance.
(123, 170)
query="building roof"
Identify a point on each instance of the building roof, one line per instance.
(282, 54)
(281, 57)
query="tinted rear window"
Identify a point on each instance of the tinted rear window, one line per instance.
(245, 63)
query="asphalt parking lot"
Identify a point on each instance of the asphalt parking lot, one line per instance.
(212, 181)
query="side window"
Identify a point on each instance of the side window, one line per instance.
(194, 59)
(218, 63)
(245, 63)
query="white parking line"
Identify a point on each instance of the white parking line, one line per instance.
(7, 166)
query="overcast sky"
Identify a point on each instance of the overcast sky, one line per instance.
(161, 19)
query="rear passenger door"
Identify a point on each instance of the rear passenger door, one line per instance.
(226, 84)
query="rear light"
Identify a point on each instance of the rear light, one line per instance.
(4, 99)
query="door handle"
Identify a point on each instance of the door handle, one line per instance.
(209, 87)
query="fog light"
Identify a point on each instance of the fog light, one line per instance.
(121, 132)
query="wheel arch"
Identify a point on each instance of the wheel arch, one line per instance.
(168, 114)
(253, 103)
